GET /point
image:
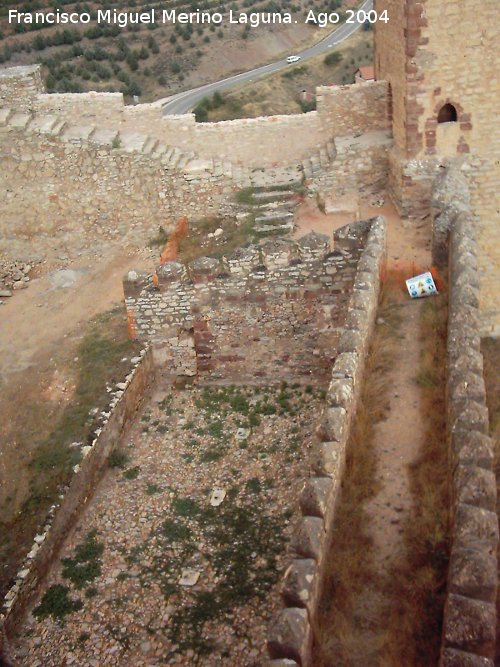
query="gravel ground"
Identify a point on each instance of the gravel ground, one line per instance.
(114, 597)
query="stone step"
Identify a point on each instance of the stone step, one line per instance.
(275, 216)
(307, 167)
(272, 195)
(44, 124)
(131, 142)
(20, 120)
(159, 151)
(77, 132)
(174, 158)
(165, 158)
(315, 164)
(57, 129)
(106, 137)
(5, 114)
(331, 150)
(274, 229)
(150, 145)
(183, 160)
(323, 157)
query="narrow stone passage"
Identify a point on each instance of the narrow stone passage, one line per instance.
(374, 609)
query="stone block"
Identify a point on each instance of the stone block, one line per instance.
(475, 486)
(299, 582)
(308, 538)
(357, 319)
(347, 365)
(284, 662)
(341, 393)
(352, 340)
(466, 385)
(290, 635)
(327, 459)
(469, 625)
(472, 448)
(473, 573)
(335, 424)
(475, 526)
(315, 497)
(473, 416)
(451, 657)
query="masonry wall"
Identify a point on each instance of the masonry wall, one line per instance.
(469, 627)
(211, 318)
(445, 64)
(253, 142)
(60, 191)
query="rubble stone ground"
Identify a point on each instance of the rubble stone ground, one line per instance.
(114, 597)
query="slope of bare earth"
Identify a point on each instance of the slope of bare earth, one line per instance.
(42, 330)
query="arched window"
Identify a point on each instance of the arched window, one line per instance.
(447, 114)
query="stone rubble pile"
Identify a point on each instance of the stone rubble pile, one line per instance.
(13, 276)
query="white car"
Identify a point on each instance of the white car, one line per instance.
(293, 59)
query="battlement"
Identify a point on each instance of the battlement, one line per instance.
(253, 142)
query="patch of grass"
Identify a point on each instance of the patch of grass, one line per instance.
(85, 566)
(132, 473)
(175, 531)
(153, 489)
(57, 603)
(117, 459)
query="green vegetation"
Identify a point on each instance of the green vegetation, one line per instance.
(85, 566)
(56, 603)
(117, 459)
(333, 58)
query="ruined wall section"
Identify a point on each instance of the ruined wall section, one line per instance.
(469, 628)
(212, 317)
(20, 86)
(76, 193)
(361, 166)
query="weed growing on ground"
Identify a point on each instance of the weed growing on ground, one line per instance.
(86, 564)
(57, 603)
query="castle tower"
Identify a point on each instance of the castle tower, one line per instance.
(441, 59)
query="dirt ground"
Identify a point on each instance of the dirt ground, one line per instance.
(41, 329)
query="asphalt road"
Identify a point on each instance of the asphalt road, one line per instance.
(186, 101)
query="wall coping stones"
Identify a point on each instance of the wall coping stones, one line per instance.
(469, 627)
(290, 636)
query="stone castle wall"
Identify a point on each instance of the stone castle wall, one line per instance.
(74, 193)
(469, 628)
(430, 61)
(211, 317)
(253, 142)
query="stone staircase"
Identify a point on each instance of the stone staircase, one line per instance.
(272, 209)
(322, 159)
(171, 158)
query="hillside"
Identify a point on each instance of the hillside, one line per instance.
(151, 60)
